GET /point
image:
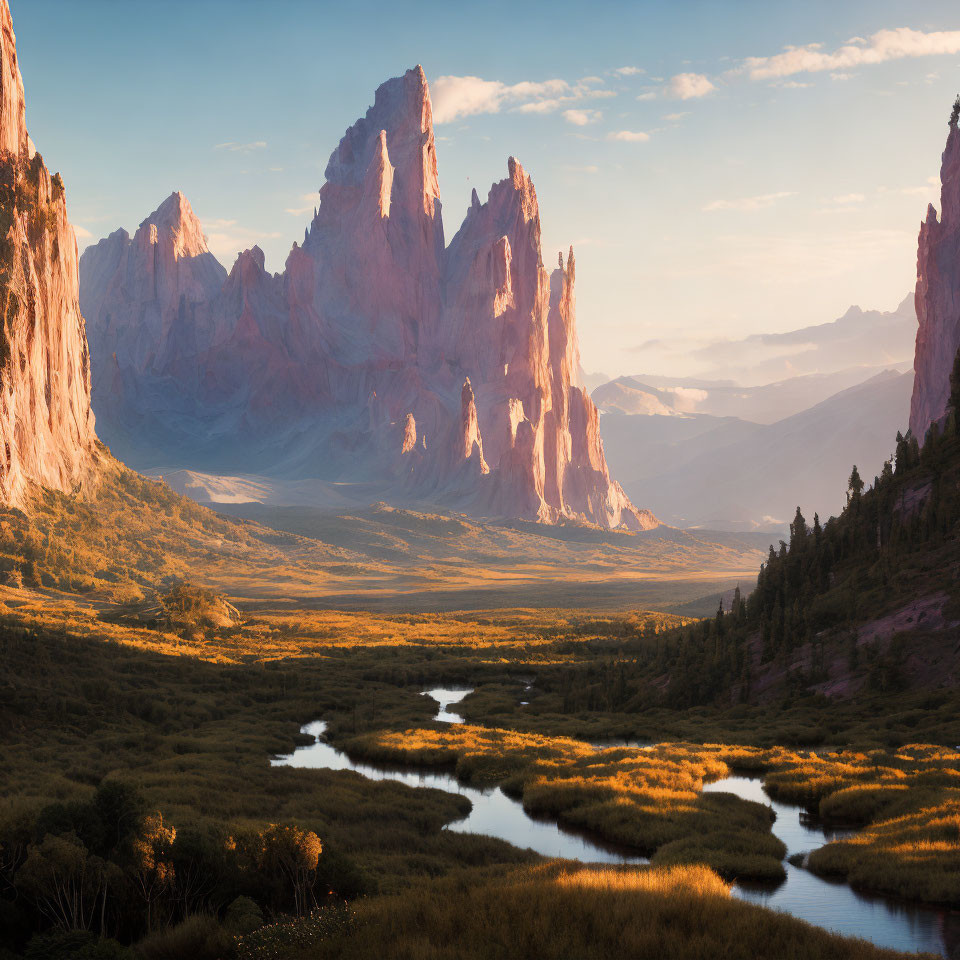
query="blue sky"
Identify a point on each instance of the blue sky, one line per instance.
(713, 183)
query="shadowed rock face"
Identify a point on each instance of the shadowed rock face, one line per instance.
(444, 375)
(938, 295)
(46, 424)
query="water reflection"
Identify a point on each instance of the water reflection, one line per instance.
(834, 905)
(492, 813)
(447, 697)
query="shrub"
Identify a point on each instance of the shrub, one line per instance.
(74, 945)
(199, 937)
(243, 916)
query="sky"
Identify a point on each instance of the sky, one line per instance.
(721, 169)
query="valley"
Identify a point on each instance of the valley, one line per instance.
(341, 620)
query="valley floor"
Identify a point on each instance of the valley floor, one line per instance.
(189, 717)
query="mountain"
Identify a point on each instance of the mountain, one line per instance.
(46, 424)
(685, 396)
(727, 473)
(938, 293)
(870, 339)
(442, 374)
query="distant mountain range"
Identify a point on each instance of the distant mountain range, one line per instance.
(731, 473)
(860, 338)
(683, 397)
(743, 452)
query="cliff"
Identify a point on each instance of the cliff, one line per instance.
(938, 293)
(46, 424)
(379, 357)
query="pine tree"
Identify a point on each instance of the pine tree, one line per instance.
(798, 531)
(855, 486)
(902, 454)
(953, 404)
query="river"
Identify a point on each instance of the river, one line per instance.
(832, 905)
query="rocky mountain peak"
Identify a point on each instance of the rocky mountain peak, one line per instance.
(950, 179)
(937, 295)
(397, 130)
(174, 223)
(446, 374)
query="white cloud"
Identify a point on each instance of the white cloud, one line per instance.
(629, 136)
(760, 202)
(308, 202)
(540, 106)
(628, 71)
(82, 233)
(847, 198)
(686, 86)
(226, 238)
(674, 117)
(882, 46)
(841, 76)
(235, 147)
(687, 398)
(795, 85)
(456, 97)
(932, 188)
(649, 95)
(580, 118)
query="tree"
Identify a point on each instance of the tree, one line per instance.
(293, 854)
(953, 403)
(855, 486)
(151, 864)
(798, 531)
(201, 867)
(955, 112)
(120, 809)
(65, 881)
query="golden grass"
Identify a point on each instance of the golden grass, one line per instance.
(129, 535)
(907, 801)
(555, 912)
(649, 800)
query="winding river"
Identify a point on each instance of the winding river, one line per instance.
(834, 906)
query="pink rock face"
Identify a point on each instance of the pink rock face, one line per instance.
(46, 425)
(938, 296)
(512, 329)
(443, 376)
(139, 287)
(377, 239)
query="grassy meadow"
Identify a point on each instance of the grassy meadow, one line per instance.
(122, 680)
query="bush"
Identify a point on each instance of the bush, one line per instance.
(243, 916)
(199, 937)
(74, 945)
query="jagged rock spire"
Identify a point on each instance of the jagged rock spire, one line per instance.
(379, 355)
(937, 297)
